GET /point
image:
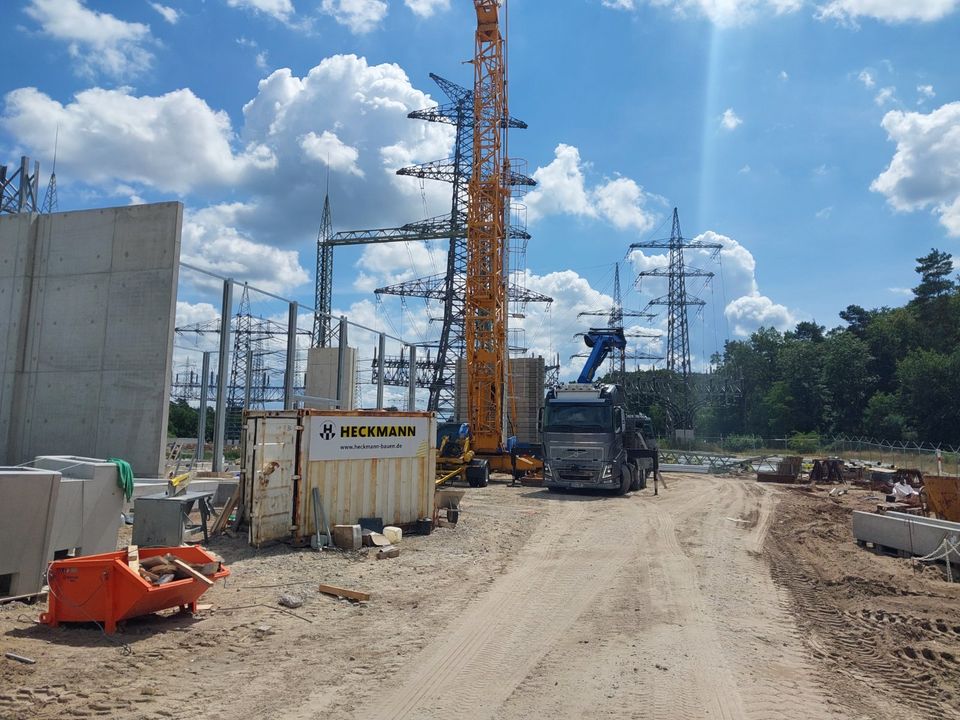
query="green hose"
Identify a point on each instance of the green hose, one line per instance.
(124, 476)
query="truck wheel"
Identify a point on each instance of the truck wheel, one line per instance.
(625, 480)
(637, 478)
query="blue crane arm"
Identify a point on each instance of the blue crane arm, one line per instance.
(602, 341)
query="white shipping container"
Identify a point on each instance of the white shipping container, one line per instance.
(365, 463)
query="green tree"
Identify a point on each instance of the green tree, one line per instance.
(847, 381)
(929, 388)
(934, 269)
(884, 418)
(182, 420)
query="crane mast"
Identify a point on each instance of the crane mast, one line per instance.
(485, 296)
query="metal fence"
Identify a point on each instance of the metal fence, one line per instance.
(248, 348)
(929, 458)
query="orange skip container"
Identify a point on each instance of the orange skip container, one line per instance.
(104, 589)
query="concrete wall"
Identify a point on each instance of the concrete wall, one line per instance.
(527, 378)
(93, 298)
(28, 501)
(321, 377)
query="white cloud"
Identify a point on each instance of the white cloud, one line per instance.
(389, 263)
(885, 95)
(195, 313)
(171, 15)
(866, 77)
(736, 276)
(100, 43)
(426, 8)
(893, 11)
(281, 10)
(824, 213)
(212, 242)
(261, 60)
(784, 75)
(926, 92)
(562, 189)
(750, 312)
(328, 149)
(171, 142)
(923, 172)
(745, 170)
(730, 120)
(904, 292)
(361, 16)
(177, 143)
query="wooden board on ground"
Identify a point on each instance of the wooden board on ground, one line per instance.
(221, 522)
(344, 592)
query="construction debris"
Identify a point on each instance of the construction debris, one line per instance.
(20, 658)
(390, 551)
(787, 472)
(290, 601)
(355, 595)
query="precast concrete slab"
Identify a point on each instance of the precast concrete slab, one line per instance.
(906, 534)
(89, 503)
(28, 500)
(87, 311)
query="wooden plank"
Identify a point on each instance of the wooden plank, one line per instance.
(344, 592)
(221, 523)
(191, 572)
(133, 557)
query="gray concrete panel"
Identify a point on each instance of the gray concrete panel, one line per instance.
(136, 320)
(141, 238)
(70, 322)
(75, 243)
(94, 350)
(907, 535)
(128, 423)
(28, 499)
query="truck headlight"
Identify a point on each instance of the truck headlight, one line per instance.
(607, 471)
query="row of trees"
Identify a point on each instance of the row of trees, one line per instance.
(889, 373)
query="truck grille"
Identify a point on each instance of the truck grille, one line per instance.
(576, 453)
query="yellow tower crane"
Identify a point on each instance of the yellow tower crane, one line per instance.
(485, 301)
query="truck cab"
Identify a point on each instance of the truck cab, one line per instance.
(589, 441)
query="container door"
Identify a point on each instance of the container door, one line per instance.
(272, 471)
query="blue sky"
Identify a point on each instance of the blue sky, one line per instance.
(818, 140)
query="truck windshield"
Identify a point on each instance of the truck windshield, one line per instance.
(570, 417)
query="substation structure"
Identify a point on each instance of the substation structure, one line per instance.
(436, 371)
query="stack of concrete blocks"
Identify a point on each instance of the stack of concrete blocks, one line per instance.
(28, 504)
(87, 310)
(322, 380)
(89, 504)
(525, 393)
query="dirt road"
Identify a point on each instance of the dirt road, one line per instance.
(720, 598)
(624, 608)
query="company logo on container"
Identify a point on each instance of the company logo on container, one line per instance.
(328, 431)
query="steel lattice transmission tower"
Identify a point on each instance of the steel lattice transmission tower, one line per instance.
(20, 191)
(677, 299)
(615, 316)
(323, 298)
(50, 201)
(251, 383)
(448, 287)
